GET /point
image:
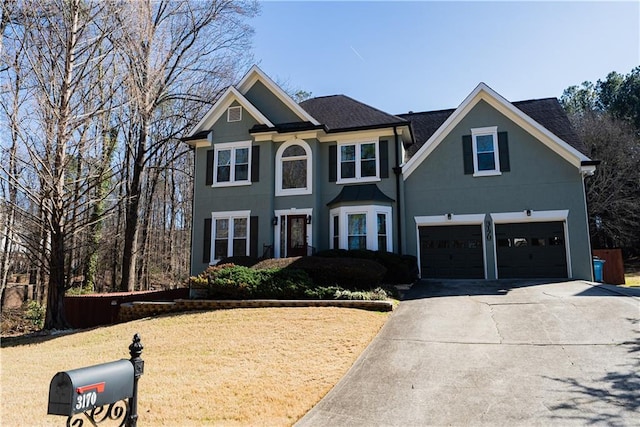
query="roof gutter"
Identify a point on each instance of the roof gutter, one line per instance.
(588, 167)
(368, 127)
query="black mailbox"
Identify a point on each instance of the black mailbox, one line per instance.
(81, 390)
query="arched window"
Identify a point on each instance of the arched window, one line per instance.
(293, 168)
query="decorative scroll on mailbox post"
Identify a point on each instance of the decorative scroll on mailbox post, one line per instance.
(101, 393)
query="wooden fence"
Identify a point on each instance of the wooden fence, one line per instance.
(613, 269)
(86, 311)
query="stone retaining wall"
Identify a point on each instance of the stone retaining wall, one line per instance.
(140, 309)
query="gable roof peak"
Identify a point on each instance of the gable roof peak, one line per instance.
(544, 119)
(256, 74)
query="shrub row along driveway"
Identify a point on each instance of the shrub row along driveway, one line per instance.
(496, 353)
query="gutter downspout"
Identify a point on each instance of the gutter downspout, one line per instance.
(586, 175)
(397, 170)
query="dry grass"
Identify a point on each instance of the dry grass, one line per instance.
(632, 279)
(231, 367)
(632, 272)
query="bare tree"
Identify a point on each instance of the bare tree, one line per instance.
(95, 95)
(178, 54)
(10, 105)
(613, 193)
(64, 45)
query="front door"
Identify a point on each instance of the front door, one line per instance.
(296, 235)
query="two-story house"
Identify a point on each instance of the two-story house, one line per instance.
(488, 190)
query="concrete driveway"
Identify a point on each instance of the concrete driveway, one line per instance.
(496, 353)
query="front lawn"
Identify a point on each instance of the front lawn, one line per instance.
(228, 367)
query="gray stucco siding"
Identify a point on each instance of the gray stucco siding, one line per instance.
(539, 180)
(224, 131)
(269, 105)
(254, 197)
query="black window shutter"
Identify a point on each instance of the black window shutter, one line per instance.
(467, 154)
(503, 151)
(333, 167)
(253, 237)
(209, 178)
(384, 159)
(255, 163)
(206, 247)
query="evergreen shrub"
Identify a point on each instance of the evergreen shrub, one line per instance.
(401, 269)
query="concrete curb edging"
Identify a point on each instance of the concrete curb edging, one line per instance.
(140, 309)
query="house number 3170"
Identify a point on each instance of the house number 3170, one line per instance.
(85, 400)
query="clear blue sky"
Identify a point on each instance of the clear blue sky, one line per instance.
(421, 56)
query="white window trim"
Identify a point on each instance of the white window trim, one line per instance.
(278, 252)
(293, 191)
(452, 219)
(231, 146)
(229, 114)
(533, 216)
(357, 178)
(371, 211)
(229, 215)
(493, 131)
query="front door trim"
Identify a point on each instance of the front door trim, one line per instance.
(278, 252)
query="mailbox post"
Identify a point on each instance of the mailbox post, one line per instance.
(135, 350)
(108, 391)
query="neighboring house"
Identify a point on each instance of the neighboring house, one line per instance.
(489, 190)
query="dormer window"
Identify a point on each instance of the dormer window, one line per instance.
(234, 114)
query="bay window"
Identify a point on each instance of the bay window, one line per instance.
(361, 227)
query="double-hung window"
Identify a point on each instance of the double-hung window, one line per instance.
(358, 161)
(486, 158)
(232, 164)
(230, 234)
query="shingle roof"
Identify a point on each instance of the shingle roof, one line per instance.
(339, 113)
(550, 114)
(547, 112)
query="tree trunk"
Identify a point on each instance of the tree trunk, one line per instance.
(55, 317)
(130, 250)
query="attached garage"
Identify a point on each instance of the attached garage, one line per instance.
(531, 250)
(451, 252)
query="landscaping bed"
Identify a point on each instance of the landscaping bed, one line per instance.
(348, 275)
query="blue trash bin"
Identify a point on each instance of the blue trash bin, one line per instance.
(598, 265)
